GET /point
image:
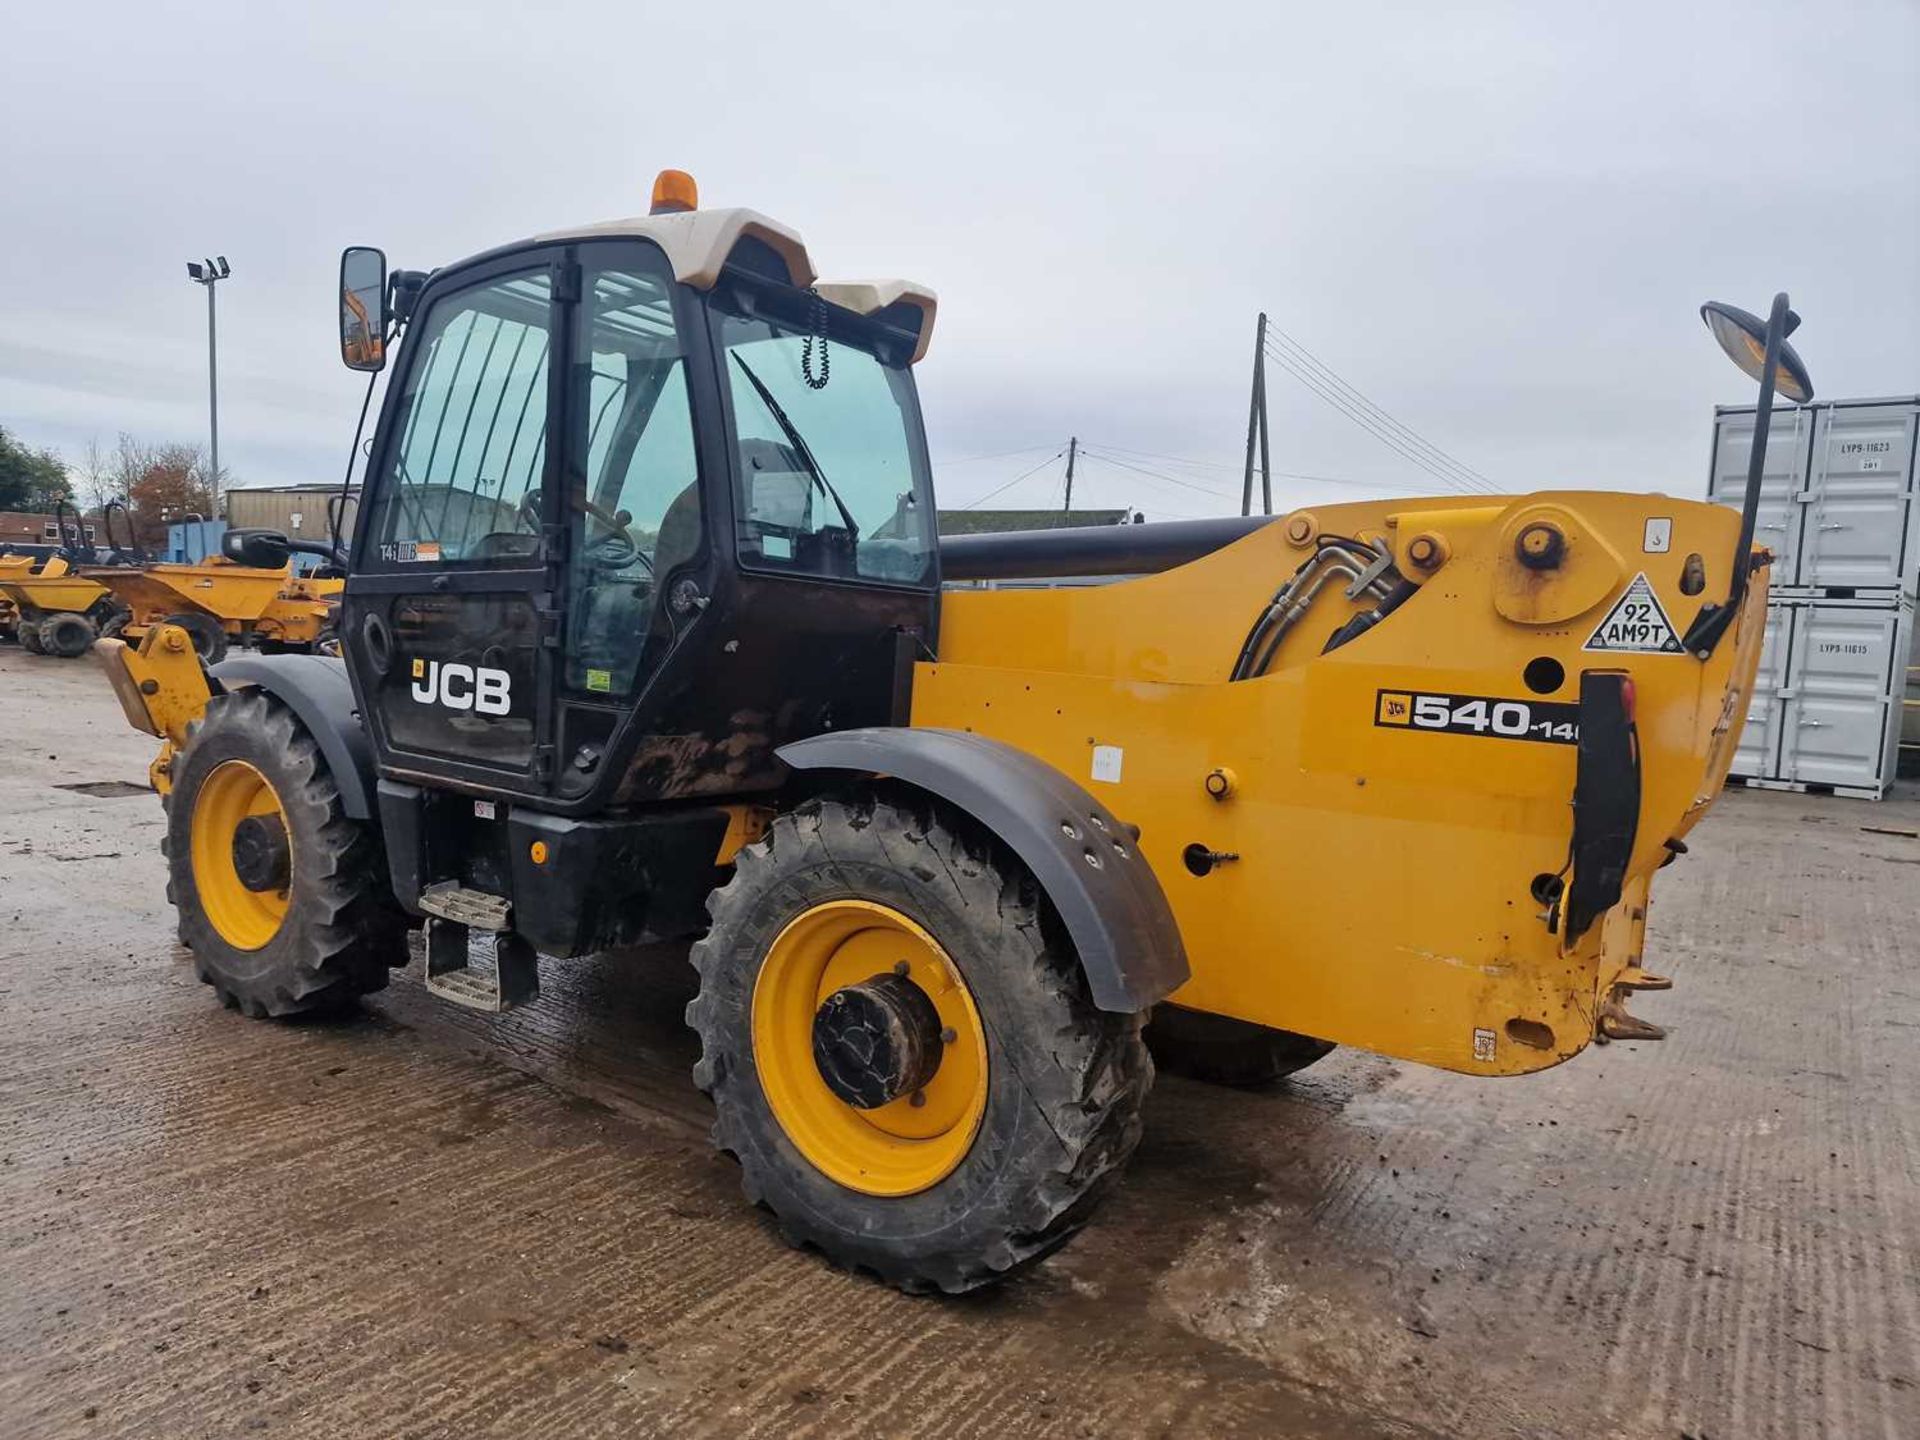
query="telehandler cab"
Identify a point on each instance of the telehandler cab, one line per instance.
(644, 636)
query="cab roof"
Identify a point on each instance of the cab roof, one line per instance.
(698, 243)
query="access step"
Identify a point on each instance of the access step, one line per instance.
(477, 909)
(509, 977)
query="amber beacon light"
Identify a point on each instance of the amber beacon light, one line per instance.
(674, 193)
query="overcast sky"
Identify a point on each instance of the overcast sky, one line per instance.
(1496, 220)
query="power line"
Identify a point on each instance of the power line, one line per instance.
(1016, 479)
(1462, 479)
(993, 455)
(1406, 432)
(1152, 474)
(1235, 469)
(1374, 426)
(1302, 364)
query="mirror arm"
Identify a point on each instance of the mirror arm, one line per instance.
(1713, 620)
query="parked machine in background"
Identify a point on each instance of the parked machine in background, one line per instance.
(644, 636)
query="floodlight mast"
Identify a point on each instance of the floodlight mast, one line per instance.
(209, 272)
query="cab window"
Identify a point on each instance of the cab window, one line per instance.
(462, 482)
(634, 506)
(828, 458)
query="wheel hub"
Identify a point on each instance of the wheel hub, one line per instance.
(877, 1040)
(261, 856)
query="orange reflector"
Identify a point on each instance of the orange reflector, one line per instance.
(674, 193)
(537, 852)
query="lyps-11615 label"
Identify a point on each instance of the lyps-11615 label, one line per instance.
(1545, 721)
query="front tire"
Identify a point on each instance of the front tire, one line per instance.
(1032, 1106)
(283, 900)
(27, 632)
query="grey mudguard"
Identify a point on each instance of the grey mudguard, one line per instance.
(316, 689)
(1114, 910)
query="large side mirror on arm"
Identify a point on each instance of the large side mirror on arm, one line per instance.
(363, 308)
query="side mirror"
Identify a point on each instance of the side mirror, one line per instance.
(1759, 347)
(1744, 338)
(260, 549)
(363, 308)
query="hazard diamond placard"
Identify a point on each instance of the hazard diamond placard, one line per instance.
(1637, 624)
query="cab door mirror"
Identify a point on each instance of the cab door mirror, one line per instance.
(261, 549)
(363, 308)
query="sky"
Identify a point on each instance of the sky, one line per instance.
(1497, 221)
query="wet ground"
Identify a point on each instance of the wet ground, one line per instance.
(430, 1223)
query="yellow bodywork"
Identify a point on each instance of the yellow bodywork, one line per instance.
(274, 605)
(13, 567)
(51, 592)
(162, 690)
(1379, 893)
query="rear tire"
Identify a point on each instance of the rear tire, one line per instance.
(328, 931)
(1062, 1084)
(67, 635)
(209, 639)
(27, 632)
(1222, 1051)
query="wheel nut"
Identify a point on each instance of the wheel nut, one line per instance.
(949, 1035)
(900, 967)
(918, 1099)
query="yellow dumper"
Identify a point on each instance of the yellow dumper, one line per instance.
(58, 612)
(217, 602)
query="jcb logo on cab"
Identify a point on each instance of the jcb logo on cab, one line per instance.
(478, 688)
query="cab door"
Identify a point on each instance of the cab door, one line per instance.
(449, 614)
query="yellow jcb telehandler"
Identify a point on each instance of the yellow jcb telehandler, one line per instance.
(644, 636)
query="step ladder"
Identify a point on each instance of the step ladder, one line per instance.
(508, 978)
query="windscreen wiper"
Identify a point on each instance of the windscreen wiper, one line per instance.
(799, 445)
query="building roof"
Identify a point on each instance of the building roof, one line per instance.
(998, 522)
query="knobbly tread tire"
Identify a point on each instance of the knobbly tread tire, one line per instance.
(1219, 1050)
(1066, 1081)
(67, 635)
(27, 632)
(343, 931)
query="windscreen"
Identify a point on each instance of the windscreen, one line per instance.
(830, 462)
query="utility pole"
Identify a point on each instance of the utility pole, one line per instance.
(1257, 425)
(209, 273)
(1073, 449)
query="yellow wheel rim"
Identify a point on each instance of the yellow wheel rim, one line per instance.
(245, 919)
(898, 1148)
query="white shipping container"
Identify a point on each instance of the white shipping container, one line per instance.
(1837, 500)
(1827, 705)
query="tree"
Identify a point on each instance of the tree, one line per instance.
(30, 480)
(99, 478)
(162, 483)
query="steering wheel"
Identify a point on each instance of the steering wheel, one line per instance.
(615, 550)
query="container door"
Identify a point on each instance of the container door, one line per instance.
(1840, 695)
(1758, 755)
(1789, 445)
(1858, 531)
